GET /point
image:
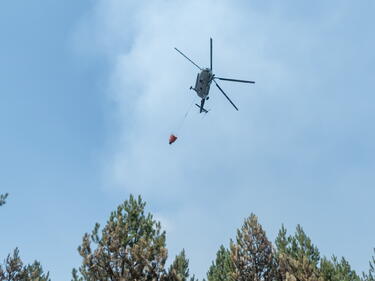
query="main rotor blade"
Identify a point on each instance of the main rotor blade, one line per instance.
(211, 54)
(226, 95)
(187, 58)
(235, 80)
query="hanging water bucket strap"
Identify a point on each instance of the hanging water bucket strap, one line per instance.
(184, 117)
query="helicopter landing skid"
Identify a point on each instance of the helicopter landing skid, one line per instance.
(203, 109)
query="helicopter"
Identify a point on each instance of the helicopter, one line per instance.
(204, 80)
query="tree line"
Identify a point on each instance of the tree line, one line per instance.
(132, 246)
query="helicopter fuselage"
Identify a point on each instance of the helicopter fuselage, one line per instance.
(203, 83)
(204, 80)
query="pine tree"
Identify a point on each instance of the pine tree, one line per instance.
(297, 257)
(223, 268)
(344, 272)
(371, 274)
(179, 269)
(34, 272)
(131, 247)
(282, 241)
(3, 197)
(14, 270)
(337, 270)
(253, 255)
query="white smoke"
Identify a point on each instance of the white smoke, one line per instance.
(225, 164)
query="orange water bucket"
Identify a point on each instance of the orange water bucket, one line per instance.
(172, 138)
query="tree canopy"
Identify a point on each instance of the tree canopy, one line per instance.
(3, 198)
(222, 269)
(13, 268)
(132, 246)
(252, 254)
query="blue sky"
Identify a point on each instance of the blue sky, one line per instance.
(90, 92)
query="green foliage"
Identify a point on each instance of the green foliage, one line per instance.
(179, 269)
(223, 268)
(297, 257)
(253, 255)
(194, 279)
(3, 197)
(35, 272)
(337, 270)
(297, 246)
(371, 273)
(14, 270)
(75, 275)
(282, 241)
(131, 246)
